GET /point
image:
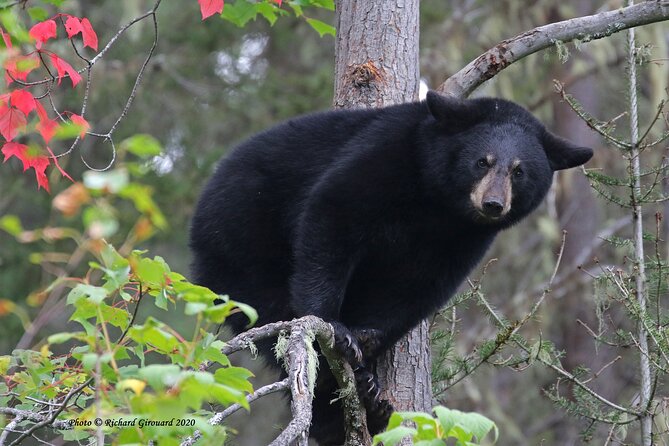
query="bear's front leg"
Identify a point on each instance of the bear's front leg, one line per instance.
(327, 250)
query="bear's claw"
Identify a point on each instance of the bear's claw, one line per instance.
(367, 385)
(347, 344)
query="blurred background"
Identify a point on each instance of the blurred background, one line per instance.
(211, 84)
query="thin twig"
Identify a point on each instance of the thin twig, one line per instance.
(51, 418)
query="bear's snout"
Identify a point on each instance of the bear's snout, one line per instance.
(491, 196)
(493, 207)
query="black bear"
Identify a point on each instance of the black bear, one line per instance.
(369, 219)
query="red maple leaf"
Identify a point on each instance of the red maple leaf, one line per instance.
(55, 161)
(47, 128)
(40, 163)
(89, 35)
(64, 68)
(20, 151)
(210, 7)
(41, 112)
(20, 66)
(29, 159)
(43, 31)
(73, 26)
(11, 121)
(23, 100)
(80, 122)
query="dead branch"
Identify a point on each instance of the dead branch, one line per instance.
(301, 335)
(587, 28)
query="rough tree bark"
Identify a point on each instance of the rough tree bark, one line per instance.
(376, 64)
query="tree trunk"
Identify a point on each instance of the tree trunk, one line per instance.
(376, 64)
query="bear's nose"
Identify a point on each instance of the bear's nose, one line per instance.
(493, 207)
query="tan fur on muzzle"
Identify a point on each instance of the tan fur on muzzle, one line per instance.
(493, 185)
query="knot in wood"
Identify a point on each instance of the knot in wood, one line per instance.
(365, 74)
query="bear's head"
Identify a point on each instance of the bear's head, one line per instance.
(490, 159)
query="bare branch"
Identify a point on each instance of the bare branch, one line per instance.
(592, 27)
(10, 427)
(220, 416)
(50, 420)
(308, 328)
(34, 416)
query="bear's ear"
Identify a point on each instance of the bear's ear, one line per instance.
(452, 112)
(563, 154)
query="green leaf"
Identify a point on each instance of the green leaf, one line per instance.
(239, 12)
(237, 377)
(111, 259)
(192, 293)
(479, 425)
(13, 25)
(160, 376)
(268, 11)
(393, 436)
(297, 9)
(115, 316)
(116, 269)
(322, 28)
(218, 313)
(68, 130)
(161, 299)
(60, 338)
(89, 360)
(193, 308)
(93, 294)
(326, 4)
(5, 363)
(395, 420)
(446, 418)
(11, 224)
(248, 310)
(151, 272)
(38, 14)
(213, 353)
(151, 333)
(142, 145)
(227, 395)
(464, 425)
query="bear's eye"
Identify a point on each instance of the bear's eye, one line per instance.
(482, 163)
(518, 172)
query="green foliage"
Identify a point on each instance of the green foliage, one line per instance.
(321, 28)
(144, 378)
(241, 12)
(466, 428)
(150, 372)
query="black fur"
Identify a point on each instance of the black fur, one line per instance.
(364, 218)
